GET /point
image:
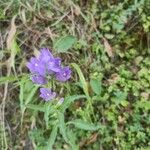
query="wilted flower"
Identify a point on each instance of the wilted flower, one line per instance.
(38, 79)
(47, 94)
(64, 74)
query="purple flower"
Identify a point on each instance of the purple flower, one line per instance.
(47, 94)
(38, 79)
(64, 74)
(46, 64)
(36, 67)
(54, 65)
(45, 55)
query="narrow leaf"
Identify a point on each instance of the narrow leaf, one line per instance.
(82, 79)
(36, 107)
(48, 110)
(84, 125)
(72, 140)
(62, 126)
(68, 136)
(3, 80)
(30, 96)
(52, 138)
(68, 100)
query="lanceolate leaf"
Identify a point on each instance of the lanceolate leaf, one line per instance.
(68, 100)
(3, 80)
(52, 138)
(62, 126)
(72, 140)
(66, 132)
(82, 79)
(84, 125)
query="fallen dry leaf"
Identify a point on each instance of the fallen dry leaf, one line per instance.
(77, 10)
(108, 48)
(145, 95)
(113, 78)
(92, 138)
(11, 33)
(121, 120)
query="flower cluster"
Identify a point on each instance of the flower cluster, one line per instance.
(44, 66)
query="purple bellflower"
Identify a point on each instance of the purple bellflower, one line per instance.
(52, 64)
(38, 79)
(36, 67)
(44, 65)
(64, 74)
(45, 55)
(47, 94)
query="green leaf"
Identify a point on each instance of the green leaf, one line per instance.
(143, 104)
(47, 112)
(52, 138)
(21, 95)
(96, 86)
(21, 98)
(120, 98)
(25, 98)
(84, 125)
(82, 79)
(63, 44)
(3, 80)
(72, 140)
(36, 107)
(62, 126)
(121, 95)
(31, 94)
(68, 136)
(68, 100)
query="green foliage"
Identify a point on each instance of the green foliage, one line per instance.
(96, 86)
(64, 43)
(52, 137)
(84, 125)
(106, 102)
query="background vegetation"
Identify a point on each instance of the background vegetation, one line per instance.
(107, 100)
